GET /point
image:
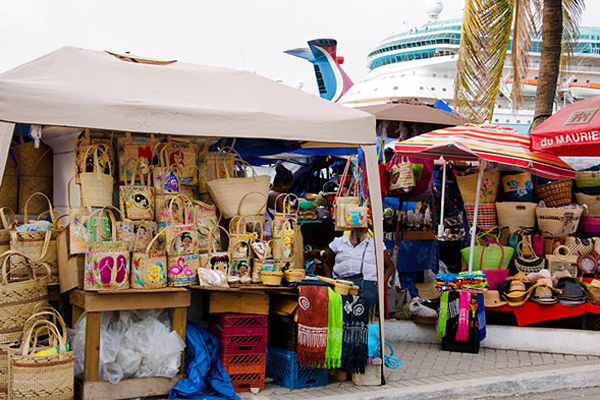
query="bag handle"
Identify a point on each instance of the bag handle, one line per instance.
(13, 218)
(530, 248)
(6, 256)
(186, 205)
(113, 223)
(98, 154)
(490, 242)
(558, 252)
(137, 170)
(211, 239)
(287, 203)
(50, 208)
(262, 209)
(149, 247)
(52, 331)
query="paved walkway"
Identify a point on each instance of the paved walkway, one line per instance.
(426, 364)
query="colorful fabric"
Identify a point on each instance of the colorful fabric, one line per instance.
(355, 337)
(462, 333)
(443, 316)
(313, 311)
(488, 142)
(333, 353)
(481, 331)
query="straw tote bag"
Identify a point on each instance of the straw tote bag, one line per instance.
(149, 266)
(9, 222)
(562, 260)
(137, 201)
(555, 194)
(217, 260)
(183, 155)
(467, 185)
(587, 179)
(518, 187)
(240, 248)
(133, 148)
(402, 176)
(580, 246)
(516, 215)
(229, 192)
(591, 201)
(20, 297)
(560, 222)
(137, 234)
(166, 177)
(48, 377)
(107, 263)
(97, 185)
(83, 163)
(280, 217)
(40, 246)
(528, 264)
(214, 164)
(182, 244)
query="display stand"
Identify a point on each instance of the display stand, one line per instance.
(93, 304)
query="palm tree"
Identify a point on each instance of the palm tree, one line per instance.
(490, 28)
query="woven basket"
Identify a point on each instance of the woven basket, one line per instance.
(559, 222)
(19, 298)
(149, 267)
(137, 201)
(586, 179)
(486, 219)
(515, 215)
(591, 201)
(39, 246)
(342, 288)
(271, 278)
(214, 164)
(578, 245)
(9, 193)
(133, 148)
(4, 372)
(82, 144)
(8, 221)
(97, 185)
(294, 275)
(531, 264)
(183, 155)
(467, 184)
(518, 187)
(590, 224)
(28, 186)
(555, 194)
(34, 162)
(50, 377)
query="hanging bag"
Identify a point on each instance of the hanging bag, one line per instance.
(280, 216)
(528, 264)
(149, 266)
(137, 201)
(214, 164)
(518, 187)
(133, 148)
(217, 260)
(166, 178)
(9, 222)
(20, 297)
(183, 156)
(107, 263)
(228, 191)
(96, 186)
(402, 176)
(467, 185)
(84, 160)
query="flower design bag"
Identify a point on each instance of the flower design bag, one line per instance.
(134, 148)
(166, 177)
(149, 266)
(183, 156)
(280, 217)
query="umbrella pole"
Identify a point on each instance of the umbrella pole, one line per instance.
(443, 205)
(482, 165)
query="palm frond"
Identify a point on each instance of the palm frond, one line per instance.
(524, 30)
(572, 11)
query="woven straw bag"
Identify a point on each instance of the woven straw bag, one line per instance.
(107, 263)
(9, 193)
(402, 176)
(39, 246)
(9, 222)
(133, 148)
(97, 185)
(486, 257)
(467, 184)
(286, 213)
(555, 194)
(587, 179)
(241, 241)
(591, 201)
(214, 164)
(562, 260)
(283, 246)
(166, 177)
(243, 195)
(559, 222)
(486, 218)
(518, 187)
(218, 260)
(183, 155)
(137, 201)
(20, 297)
(48, 377)
(579, 246)
(530, 263)
(516, 215)
(83, 163)
(182, 237)
(137, 234)
(149, 266)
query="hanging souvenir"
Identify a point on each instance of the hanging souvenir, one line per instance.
(183, 156)
(149, 266)
(166, 177)
(133, 148)
(137, 200)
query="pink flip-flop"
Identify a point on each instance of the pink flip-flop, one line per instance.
(121, 269)
(105, 266)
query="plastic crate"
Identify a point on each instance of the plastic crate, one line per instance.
(283, 332)
(247, 381)
(233, 345)
(240, 324)
(591, 322)
(245, 363)
(282, 366)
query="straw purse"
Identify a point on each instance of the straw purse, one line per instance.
(559, 222)
(489, 256)
(579, 246)
(182, 236)
(214, 164)
(43, 376)
(137, 201)
(183, 155)
(37, 245)
(264, 259)
(107, 263)
(244, 195)
(149, 266)
(281, 217)
(518, 187)
(516, 215)
(562, 260)
(20, 297)
(402, 176)
(137, 234)
(216, 260)
(82, 144)
(528, 264)
(241, 249)
(283, 246)
(97, 185)
(166, 179)
(133, 148)
(467, 185)
(591, 201)
(207, 219)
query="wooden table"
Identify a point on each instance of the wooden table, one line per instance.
(93, 304)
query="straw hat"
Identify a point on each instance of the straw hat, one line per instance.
(595, 283)
(427, 291)
(515, 292)
(543, 292)
(593, 291)
(562, 274)
(491, 299)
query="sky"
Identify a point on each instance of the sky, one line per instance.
(245, 34)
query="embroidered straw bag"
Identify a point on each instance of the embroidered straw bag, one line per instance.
(86, 163)
(214, 164)
(20, 297)
(280, 217)
(243, 195)
(48, 377)
(516, 215)
(182, 245)
(559, 222)
(96, 186)
(137, 201)
(107, 263)
(133, 148)
(183, 155)
(218, 260)
(166, 177)
(39, 245)
(149, 266)
(467, 184)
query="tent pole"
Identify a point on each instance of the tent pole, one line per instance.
(482, 165)
(377, 213)
(443, 202)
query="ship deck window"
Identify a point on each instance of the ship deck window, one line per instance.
(518, 121)
(433, 88)
(496, 120)
(443, 89)
(395, 88)
(420, 87)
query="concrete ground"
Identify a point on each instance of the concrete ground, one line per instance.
(586, 394)
(429, 373)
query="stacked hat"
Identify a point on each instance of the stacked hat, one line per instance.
(515, 290)
(543, 292)
(593, 290)
(491, 299)
(572, 293)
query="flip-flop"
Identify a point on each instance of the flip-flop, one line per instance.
(121, 269)
(105, 266)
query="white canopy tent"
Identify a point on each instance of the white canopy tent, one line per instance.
(79, 88)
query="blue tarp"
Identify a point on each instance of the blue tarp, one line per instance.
(206, 376)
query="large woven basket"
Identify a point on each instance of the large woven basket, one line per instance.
(486, 218)
(20, 298)
(467, 184)
(48, 377)
(28, 186)
(97, 185)
(34, 161)
(586, 179)
(9, 193)
(8, 221)
(559, 222)
(555, 194)
(515, 215)
(591, 201)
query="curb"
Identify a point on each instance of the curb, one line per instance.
(500, 386)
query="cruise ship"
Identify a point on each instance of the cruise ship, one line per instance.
(420, 63)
